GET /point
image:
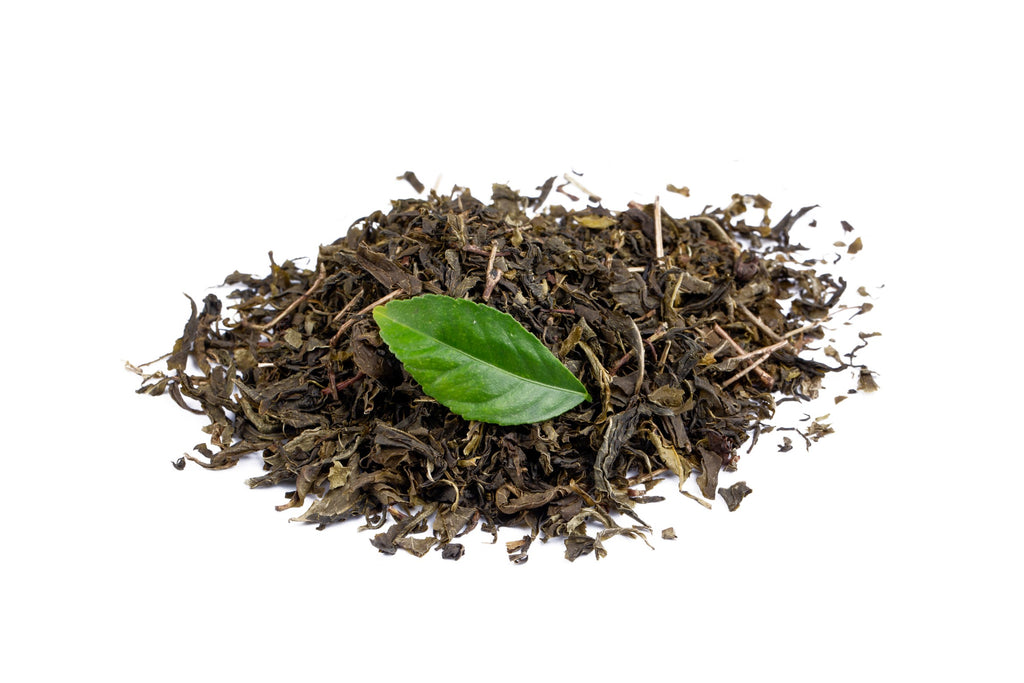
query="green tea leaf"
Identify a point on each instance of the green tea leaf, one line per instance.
(477, 361)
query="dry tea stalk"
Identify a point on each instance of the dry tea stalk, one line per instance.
(683, 330)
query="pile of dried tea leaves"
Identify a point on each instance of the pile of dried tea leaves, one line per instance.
(684, 332)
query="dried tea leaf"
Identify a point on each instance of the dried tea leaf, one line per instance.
(819, 429)
(866, 381)
(711, 465)
(453, 551)
(735, 494)
(691, 333)
(517, 550)
(596, 222)
(668, 454)
(411, 178)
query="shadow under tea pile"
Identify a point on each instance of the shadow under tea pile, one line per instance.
(682, 356)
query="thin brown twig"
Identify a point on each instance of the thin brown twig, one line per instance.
(366, 309)
(381, 301)
(757, 321)
(719, 232)
(764, 376)
(655, 336)
(293, 305)
(744, 371)
(335, 388)
(761, 351)
(659, 247)
(332, 387)
(493, 275)
(351, 302)
(590, 195)
(342, 330)
(805, 328)
(137, 371)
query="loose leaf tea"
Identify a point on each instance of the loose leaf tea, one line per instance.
(477, 361)
(614, 349)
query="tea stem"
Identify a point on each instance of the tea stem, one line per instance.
(719, 232)
(492, 275)
(332, 382)
(366, 309)
(764, 376)
(590, 195)
(752, 366)
(659, 247)
(762, 351)
(761, 354)
(298, 302)
(345, 309)
(757, 321)
(805, 328)
(655, 336)
(344, 384)
(664, 355)
(675, 291)
(136, 368)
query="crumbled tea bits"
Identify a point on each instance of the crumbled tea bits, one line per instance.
(517, 550)
(411, 178)
(735, 494)
(679, 336)
(866, 381)
(453, 551)
(698, 499)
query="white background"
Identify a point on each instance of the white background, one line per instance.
(147, 149)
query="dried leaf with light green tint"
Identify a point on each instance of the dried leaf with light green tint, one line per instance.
(596, 222)
(477, 361)
(293, 338)
(667, 453)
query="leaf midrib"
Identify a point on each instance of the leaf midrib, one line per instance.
(485, 362)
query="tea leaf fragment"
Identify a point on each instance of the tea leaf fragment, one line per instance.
(735, 494)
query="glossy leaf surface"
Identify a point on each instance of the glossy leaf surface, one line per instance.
(477, 361)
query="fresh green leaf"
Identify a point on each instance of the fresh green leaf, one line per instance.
(477, 361)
